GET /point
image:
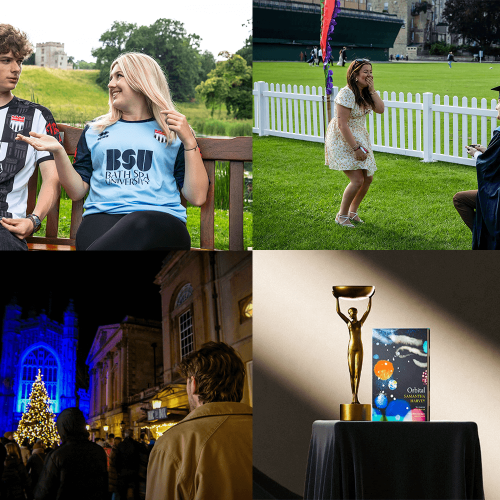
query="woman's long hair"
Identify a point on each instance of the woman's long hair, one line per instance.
(145, 76)
(362, 98)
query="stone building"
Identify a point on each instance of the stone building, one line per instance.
(122, 368)
(51, 55)
(423, 23)
(204, 296)
(32, 343)
(375, 29)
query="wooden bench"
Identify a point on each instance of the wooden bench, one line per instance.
(237, 151)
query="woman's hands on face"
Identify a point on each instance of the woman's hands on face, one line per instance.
(177, 123)
(41, 142)
(371, 85)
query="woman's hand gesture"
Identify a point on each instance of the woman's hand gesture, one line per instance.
(41, 142)
(360, 156)
(371, 85)
(177, 123)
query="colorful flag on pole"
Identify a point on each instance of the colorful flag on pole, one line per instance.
(329, 11)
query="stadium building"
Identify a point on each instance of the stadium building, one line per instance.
(283, 29)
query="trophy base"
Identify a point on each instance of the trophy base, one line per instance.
(356, 412)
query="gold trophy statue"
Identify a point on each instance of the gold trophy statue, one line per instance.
(355, 410)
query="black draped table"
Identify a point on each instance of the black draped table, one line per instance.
(394, 460)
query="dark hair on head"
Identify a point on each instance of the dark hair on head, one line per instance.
(13, 450)
(13, 39)
(71, 424)
(218, 370)
(362, 98)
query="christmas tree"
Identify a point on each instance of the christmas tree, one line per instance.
(37, 421)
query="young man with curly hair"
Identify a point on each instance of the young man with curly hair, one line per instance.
(18, 159)
(208, 455)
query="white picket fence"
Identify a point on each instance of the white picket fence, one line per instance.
(423, 127)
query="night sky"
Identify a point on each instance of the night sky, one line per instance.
(105, 287)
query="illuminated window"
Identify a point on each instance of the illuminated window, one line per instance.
(186, 333)
(43, 359)
(246, 308)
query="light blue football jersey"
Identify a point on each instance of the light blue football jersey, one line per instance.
(129, 168)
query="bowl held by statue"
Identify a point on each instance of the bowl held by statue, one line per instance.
(353, 292)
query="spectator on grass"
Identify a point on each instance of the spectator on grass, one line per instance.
(344, 55)
(480, 209)
(135, 177)
(450, 59)
(22, 117)
(347, 141)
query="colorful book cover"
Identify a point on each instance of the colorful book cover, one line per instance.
(400, 390)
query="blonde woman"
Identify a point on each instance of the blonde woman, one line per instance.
(133, 162)
(347, 140)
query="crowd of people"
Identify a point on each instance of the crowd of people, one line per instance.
(126, 463)
(206, 456)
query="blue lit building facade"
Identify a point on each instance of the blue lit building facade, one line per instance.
(32, 344)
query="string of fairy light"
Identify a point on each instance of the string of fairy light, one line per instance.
(38, 421)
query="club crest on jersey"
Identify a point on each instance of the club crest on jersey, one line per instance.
(160, 136)
(16, 123)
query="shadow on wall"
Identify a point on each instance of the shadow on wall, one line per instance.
(264, 488)
(447, 280)
(272, 397)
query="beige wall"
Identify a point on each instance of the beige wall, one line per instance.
(300, 344)
(231, 273)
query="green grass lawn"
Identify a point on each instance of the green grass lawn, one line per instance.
(409, 205)
(73, 97)
(464, 79)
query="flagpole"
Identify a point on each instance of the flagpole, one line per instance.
(329, 11)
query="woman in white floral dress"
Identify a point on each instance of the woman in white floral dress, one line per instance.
(347, 140)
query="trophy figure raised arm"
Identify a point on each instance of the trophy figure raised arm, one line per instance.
(355, 410)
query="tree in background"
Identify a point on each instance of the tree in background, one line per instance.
(37, 421)
(230, 83)
(247, 51)
(113, 42)
(176, 51)
(84, 65)
(29, 61)
(478, 20)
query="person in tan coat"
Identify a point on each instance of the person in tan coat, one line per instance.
(208, 455)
